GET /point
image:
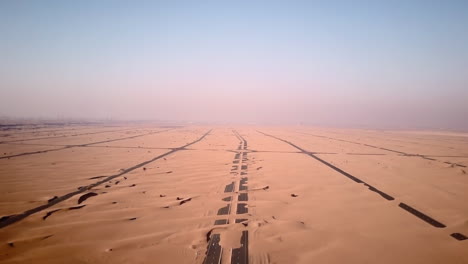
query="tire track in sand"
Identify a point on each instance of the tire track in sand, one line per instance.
(82, 145)
(64, 136)
(11, 219)
(404, 206)
(387, 149)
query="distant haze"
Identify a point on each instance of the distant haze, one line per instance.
(393, 64)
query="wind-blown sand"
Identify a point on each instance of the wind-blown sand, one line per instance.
(194, 194)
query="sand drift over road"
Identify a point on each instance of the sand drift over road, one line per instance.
(199, 194)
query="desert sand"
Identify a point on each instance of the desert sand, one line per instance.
(198, 194)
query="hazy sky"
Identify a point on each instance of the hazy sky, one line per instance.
(345, 63)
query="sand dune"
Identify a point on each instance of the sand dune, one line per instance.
(148, 194)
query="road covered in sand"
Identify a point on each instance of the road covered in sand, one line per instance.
(219, 194)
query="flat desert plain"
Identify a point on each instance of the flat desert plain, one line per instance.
(144, 193)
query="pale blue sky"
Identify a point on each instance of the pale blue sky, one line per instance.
(347, 63)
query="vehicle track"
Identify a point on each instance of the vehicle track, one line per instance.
(34, 130)
(92, 146)
(386, 149)
(386, 196)
(11, 219)
(405, 141)
(81, 145)
(63, 136)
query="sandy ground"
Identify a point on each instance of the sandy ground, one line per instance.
(196, 194)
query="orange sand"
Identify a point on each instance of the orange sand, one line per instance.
(332, 219)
